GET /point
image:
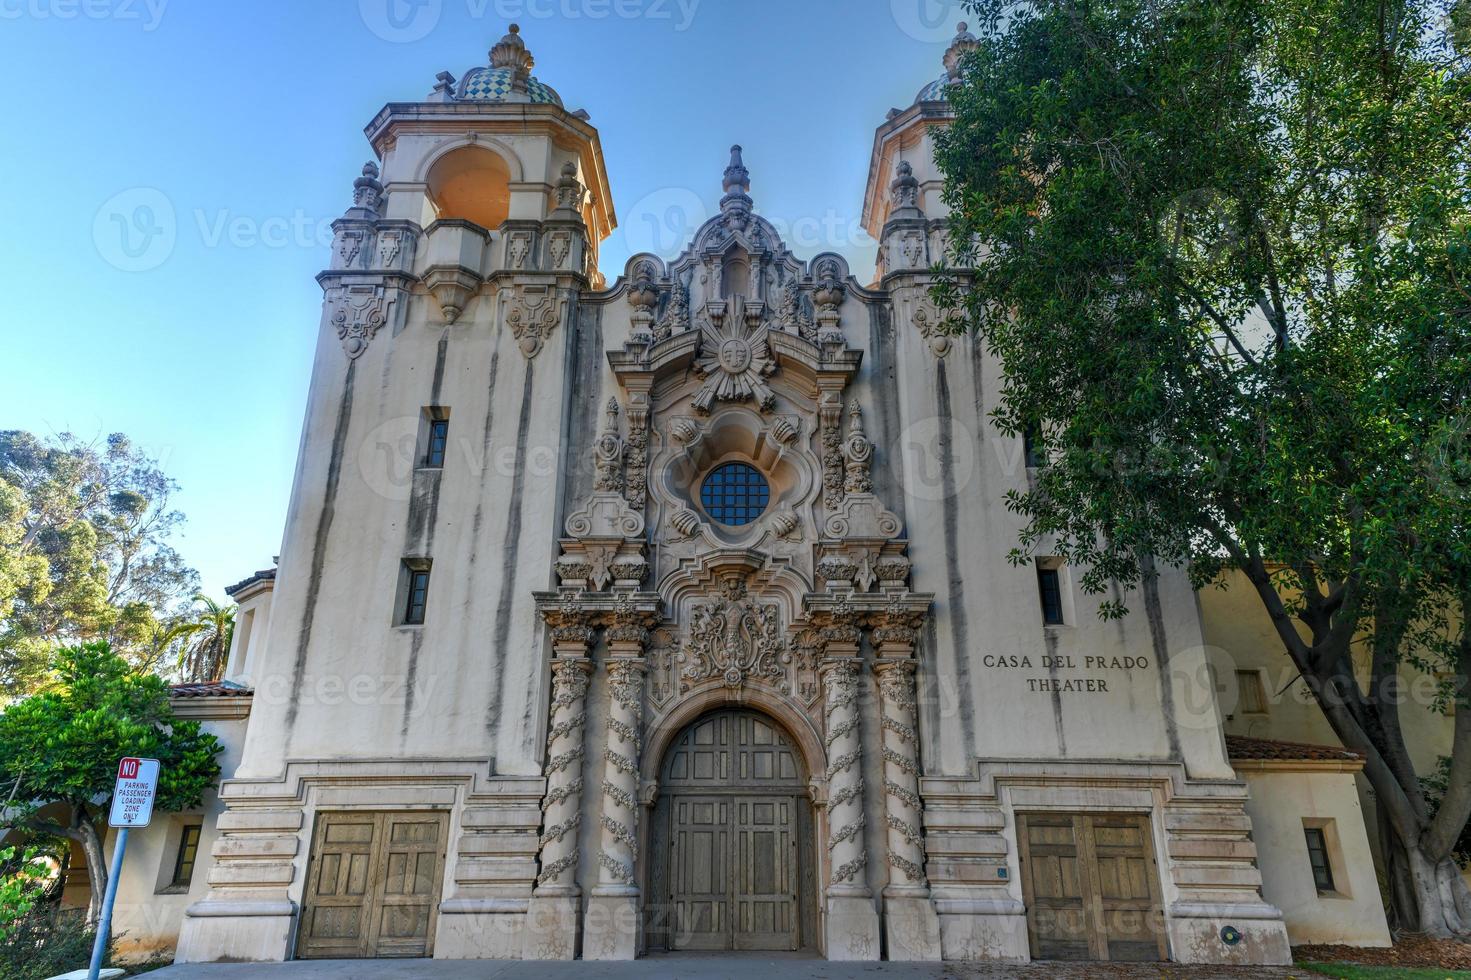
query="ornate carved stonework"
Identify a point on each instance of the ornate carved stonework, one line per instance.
(933, 327)
(532, 316)
(734, 637)
(734, 356)
(357, 311)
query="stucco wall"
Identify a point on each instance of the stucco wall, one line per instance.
(1282, 804)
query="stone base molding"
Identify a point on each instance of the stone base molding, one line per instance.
(1201, 840)
(261, 855)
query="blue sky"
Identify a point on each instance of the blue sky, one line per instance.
(230, 132)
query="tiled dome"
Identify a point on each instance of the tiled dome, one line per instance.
(936, 91)
(494, 85)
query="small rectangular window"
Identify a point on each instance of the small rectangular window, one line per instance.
(1318, 858)
(438, 439)
(184, 860)
(1032, 446)
(418, 596)
(1251, 695)
(1049, 585)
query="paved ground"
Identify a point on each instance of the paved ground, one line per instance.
(723, 967)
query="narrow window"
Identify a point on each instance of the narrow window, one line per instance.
(1032, 446)
(418, 596)
(184, 860)
(1318, 857)
(1252, 696)
(438, 438)
(1049, 585)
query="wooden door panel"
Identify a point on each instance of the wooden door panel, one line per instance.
(730, 856)
(373, 885)
(1091, 886)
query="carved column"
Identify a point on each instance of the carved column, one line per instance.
(613, 923)
(551, 932)
(852, 921)
(910, 924)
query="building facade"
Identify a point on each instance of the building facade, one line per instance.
(674, 612)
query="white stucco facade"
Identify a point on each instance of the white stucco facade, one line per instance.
(587, 608)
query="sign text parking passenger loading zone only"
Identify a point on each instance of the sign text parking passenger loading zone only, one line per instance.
(132, 799)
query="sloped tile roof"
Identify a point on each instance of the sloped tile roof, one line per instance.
(1242, 749)
(213, 689)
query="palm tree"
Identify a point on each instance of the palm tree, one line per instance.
(207, 637)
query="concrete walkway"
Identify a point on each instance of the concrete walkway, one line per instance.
(711, 967)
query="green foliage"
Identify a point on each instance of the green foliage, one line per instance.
(1222, 249)
(22, 885)
(46, 943)
(64, 744)
(84, 552)
(207, 633)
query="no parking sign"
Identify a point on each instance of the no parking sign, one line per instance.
(132, 798)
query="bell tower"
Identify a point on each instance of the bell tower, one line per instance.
(401, 658)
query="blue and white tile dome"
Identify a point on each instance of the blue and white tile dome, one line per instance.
(936, 91)
(494, 85)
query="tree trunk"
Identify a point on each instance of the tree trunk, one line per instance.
(84, 832)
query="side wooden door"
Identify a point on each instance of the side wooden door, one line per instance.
(373, 883)
(1091, 886)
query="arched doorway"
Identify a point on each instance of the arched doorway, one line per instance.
(731, 864)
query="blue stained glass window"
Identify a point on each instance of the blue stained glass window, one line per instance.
(735, 493)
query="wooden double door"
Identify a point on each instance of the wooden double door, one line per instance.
(1091, 886)
(732, 852)
(373, 884)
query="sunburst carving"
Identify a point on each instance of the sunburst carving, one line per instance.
(734, 356)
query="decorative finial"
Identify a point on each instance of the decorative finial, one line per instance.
(736, 204)
(963, 43)
(736, 175)
(904, 191)
(510, 52)
(367, 192)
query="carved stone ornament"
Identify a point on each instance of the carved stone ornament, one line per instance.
(734, 637)
(734, 356)
(532, 316)
(357, 312)
(676, 318)
(933, 327)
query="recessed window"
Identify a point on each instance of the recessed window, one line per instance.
(438, 438)
(1049, 587)
(735, 493)
(416, 596)
(1251, 694)
(1032, 446)
(1318, 858)
(188, 852)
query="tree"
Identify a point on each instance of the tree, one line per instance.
(207, 637)
(63, 746)
(1222, 251)
(84, 551)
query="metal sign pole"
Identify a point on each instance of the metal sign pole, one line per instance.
(104, 926)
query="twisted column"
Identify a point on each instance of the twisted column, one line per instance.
(911, 925)
(619, 847)
(847, 854)
(562, 806)
(902, 805)
(551, 926)
(614, 925)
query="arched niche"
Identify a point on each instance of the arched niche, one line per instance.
(472, 183)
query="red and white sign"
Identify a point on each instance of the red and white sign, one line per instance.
(132, 798)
